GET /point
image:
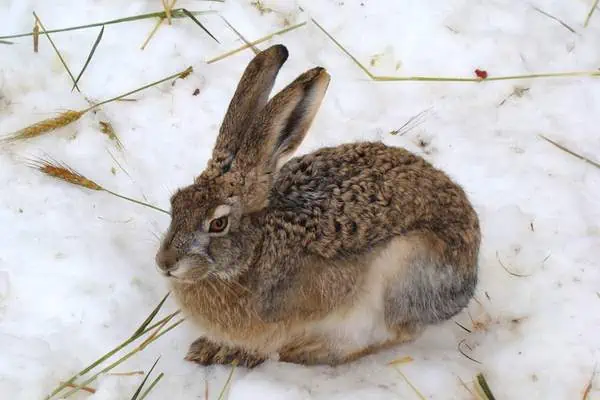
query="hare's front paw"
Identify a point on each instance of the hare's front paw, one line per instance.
(205, 352)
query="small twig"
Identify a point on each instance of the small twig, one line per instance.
(261, 40)
(571, 152)
(590, 13)
(509, 271)
(459, 347)
(62, 60)
(554, 18)
(89, 58)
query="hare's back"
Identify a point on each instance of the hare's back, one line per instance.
(351, 197)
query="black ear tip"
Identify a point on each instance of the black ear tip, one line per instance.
(280, 51)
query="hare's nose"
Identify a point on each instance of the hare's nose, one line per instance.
(166, 259)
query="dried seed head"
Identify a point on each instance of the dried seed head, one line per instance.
(45, 126)
(186, 73)
(64, 173)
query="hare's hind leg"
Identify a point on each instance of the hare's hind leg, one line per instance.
(205, 352)
(429, 288)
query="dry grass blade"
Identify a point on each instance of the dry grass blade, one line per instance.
(508, 270)
(180, 75)
(44, 126)
(36, 37)
(411, 124)
(168, 7)
(461, 351)
(482, 388)
(65, 173)
(464, 328)
(62, 60)
(590, 13)
(152, 32)
(110, 354)
(358, 63)
(70, 116)
(177, 13)
(228, 381)
(571, 152)
(131, 373)
(409, 383)
(107, 128)
(381, 78)
(84, 388)
(253, 47)
(193, 18)
(258, 41)
(588, 387)
(89, 58)
(401, 360)
(141, 385)
(552, 17)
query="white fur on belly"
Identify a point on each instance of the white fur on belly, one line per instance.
(363, 323)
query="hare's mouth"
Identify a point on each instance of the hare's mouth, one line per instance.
(188, 269)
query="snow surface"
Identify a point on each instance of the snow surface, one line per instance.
(77, 274)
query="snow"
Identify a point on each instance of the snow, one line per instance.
(77, 274)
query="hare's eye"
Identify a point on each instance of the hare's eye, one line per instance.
(218, 225)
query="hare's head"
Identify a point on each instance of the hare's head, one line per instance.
(211, 232)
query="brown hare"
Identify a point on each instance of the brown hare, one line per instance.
(319, 259)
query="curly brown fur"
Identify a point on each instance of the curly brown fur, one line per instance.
(321, 259)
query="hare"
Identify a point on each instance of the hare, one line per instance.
(319, 259)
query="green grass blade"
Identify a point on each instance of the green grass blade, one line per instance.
(151, 316)
(176, 13)
(154, 383)
(62, 60)
(109, 354)
(6, 42)
(141, 386)
(193, 18)
(483, 385)
(89, 58)
(120, 360)
(590, 13)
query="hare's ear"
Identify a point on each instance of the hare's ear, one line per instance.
(282, 125)
(249, 99)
